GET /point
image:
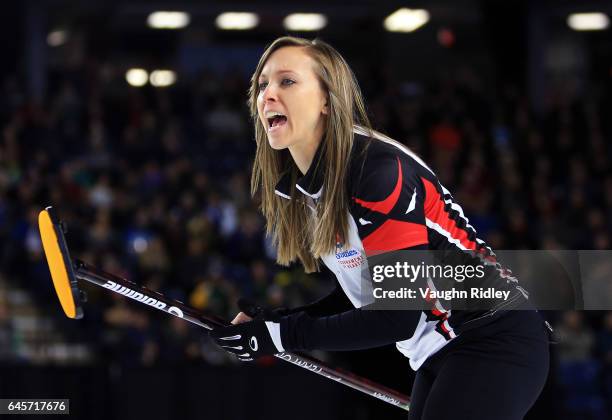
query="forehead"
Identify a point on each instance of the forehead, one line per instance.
(288, 59)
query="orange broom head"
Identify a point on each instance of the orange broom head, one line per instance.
(60, 265)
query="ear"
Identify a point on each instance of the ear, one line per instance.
(325, 110)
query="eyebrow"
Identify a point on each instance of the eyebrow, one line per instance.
(279, 72)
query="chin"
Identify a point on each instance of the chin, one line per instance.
(277, 144)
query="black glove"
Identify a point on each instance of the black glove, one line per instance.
(253, 339)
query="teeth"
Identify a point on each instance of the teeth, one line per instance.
(272, 114)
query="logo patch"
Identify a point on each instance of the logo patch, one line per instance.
(347, 258)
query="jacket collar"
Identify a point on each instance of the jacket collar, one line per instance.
(311, 184)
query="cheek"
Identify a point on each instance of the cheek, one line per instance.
(314, 109)
(312, 117)
(308, 115)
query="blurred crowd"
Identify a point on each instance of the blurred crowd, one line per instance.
(153, 185)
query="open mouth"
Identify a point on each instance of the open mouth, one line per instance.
(276, 121)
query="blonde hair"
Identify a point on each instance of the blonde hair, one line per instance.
(296, 233)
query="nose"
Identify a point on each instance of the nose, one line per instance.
(269, 93)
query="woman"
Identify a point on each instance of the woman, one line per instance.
(334, 190)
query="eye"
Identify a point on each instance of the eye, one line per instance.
(262, 85)
(287, 82)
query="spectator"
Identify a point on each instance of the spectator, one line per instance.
(576, 340)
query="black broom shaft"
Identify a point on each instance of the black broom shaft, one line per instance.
(157, 300)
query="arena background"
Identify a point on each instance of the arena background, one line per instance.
(510, 106)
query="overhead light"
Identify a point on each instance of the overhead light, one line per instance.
(406, 20)
(137, 77)
(162, 78)
(168, 20)
(237, 21)
(588, 21)
(57, 38)
(305, 22)
(140, 244)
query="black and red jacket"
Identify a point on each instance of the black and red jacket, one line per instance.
(396, 203)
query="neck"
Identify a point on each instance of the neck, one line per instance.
(303, 153)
